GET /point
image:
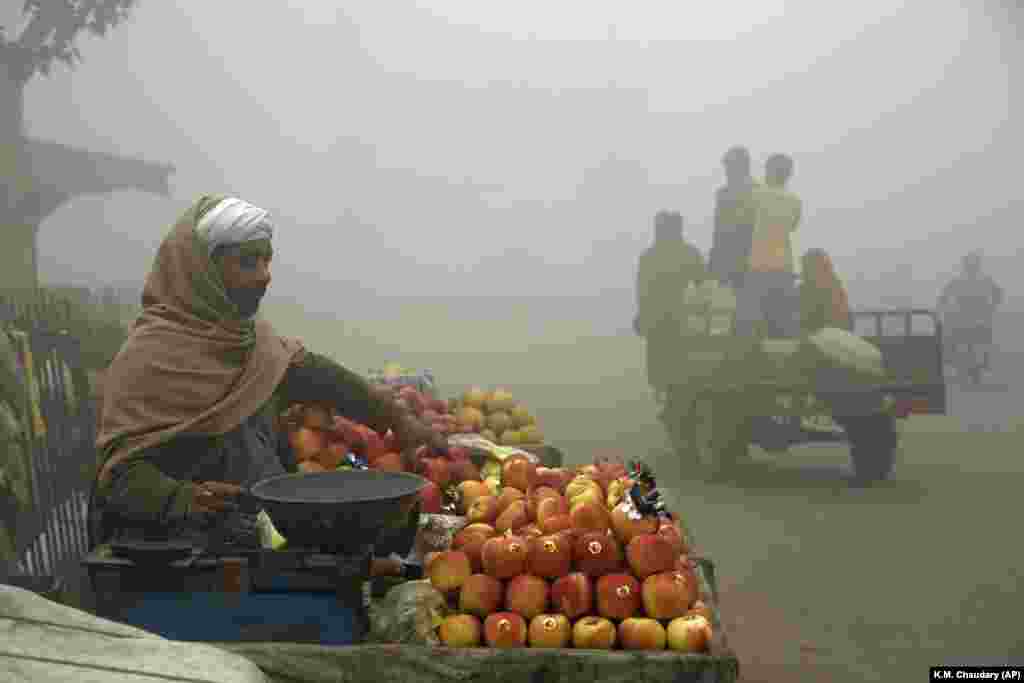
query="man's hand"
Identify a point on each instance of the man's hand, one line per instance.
(214, 497)
(411, 434)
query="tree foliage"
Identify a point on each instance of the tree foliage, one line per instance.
(52, 28)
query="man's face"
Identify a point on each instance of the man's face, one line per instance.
(245, 270)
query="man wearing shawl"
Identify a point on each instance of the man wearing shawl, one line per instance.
(663, 273)
(190, 400)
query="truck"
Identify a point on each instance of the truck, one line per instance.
(765, 392)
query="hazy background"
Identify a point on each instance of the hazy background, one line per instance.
(440, 149)
(465, 186)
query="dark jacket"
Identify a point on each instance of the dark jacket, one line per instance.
(735, 216)
(148, 494)
(664, 271)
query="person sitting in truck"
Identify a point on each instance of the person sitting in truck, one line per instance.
(968, 304)
(767, 301)
(734, 220)
(664, 271)
(823, 298)
(189, 402)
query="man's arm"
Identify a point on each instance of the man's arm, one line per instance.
(138, 490)
(318, 379)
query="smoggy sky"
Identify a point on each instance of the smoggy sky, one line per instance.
(438, 147)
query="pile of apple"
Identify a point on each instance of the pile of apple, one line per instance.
(322, 440)
(497, 417)
(560, 558)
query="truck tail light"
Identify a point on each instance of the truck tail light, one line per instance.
(905, 407)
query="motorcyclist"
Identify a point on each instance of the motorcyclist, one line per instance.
(967, 306)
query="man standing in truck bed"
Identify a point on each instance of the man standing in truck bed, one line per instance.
(734, 220)
(768, 298)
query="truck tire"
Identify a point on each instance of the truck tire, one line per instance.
(873, 440)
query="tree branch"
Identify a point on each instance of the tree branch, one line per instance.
(37, 31)
(54, 26)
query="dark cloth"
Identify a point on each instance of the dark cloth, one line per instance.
(768, 303)
(151, 494)
(823, 298)
(735, 216)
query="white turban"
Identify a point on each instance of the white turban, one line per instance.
(234, 221)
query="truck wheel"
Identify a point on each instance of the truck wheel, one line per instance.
(873, 443)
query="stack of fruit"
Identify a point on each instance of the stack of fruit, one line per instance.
(497, 417)
(319, 441)
(558, 559)
(314, 428)
(323, 441)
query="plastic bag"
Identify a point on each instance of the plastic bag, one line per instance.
(435, 534)
(409, 614)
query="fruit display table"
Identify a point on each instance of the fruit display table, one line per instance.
(376, 663)
(289, 663)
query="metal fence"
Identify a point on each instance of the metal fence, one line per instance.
(53, 536)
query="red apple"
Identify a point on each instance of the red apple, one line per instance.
(436, 470)
(307, 442)
(431, 499)
(459, 454)
(505, 630)
(618, 596)
(690, 633)
(572, 595)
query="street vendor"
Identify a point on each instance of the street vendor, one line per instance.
(189, 405)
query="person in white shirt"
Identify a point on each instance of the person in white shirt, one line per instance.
(768, 302)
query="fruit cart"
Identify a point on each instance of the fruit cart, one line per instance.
(374, 661)
(302, 663)
(624, 592)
